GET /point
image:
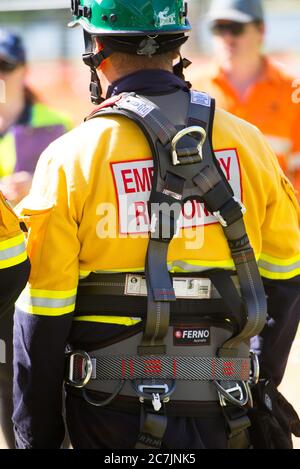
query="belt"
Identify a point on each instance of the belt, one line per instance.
(186, 286)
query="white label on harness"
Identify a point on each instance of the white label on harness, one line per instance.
(140, 107)
(133, 182)
(185, 287)
(198, 97)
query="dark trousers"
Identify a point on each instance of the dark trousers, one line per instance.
(6, 380)
(101, 428)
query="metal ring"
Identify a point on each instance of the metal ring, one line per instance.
(181, 134)
(224, 394)
(255, 369)
(88, 368)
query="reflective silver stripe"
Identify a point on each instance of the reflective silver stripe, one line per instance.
(199, 268)
(12, 252)
(49, 302)
(294, 161)
(280, 144)
(278, 268)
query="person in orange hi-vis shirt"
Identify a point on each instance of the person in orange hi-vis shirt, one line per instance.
(249, 84)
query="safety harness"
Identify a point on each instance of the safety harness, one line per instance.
(214, 364)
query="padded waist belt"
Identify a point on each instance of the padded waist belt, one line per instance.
(186, 286)
(191, 360)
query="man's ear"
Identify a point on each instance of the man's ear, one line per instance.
(97, 45)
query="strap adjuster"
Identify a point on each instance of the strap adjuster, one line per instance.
(157, 393)
(79, 368)
(238, 394)
(222, 220)
(182, 133)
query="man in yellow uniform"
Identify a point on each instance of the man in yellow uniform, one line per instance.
(142, 262)
(14, 272)
(27, 126)
(14, 264)
(248, 83)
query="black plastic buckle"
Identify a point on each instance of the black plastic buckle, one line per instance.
(157, 393)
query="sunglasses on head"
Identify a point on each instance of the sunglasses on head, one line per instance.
(7, 67)
(235, 29)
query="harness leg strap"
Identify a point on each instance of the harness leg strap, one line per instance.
(152, 430)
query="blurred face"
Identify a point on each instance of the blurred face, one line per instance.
(13, 77)
(234, 42)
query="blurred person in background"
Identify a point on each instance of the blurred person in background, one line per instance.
(27, 127)
(248, 83)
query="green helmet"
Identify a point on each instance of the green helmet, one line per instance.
(131, 17)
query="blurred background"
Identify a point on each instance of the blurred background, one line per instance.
(60, 79)
(54, 51)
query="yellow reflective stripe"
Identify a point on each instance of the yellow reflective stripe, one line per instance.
(278, 261)
(11, 242)
(47, 302)
(123, 321)
(279, 269)
(84, 273)
(43, 311)
(49, 293)
(278, 275)
(12, 252)
(13, 261)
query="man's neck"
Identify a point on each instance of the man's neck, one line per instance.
(244, 74)
(10, 112)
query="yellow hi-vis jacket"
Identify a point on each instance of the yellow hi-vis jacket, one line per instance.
(12, 241)
(87, 211)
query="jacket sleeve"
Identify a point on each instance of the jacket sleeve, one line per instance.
(44, 310)
(279, 265)
(14, 264)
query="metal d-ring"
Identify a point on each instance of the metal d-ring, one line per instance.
(88, 368)
(226, 394)
(182, 133)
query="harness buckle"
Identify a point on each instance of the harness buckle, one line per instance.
(237, 394)
(157, 393)
(80, 368)
(156, 402)
(255, 369)
(182, 133)
(222, 220)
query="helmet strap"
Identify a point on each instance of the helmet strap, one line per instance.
(93, 61)
(179, 68)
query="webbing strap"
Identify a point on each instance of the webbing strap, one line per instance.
(152, 431)
(192, 368)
